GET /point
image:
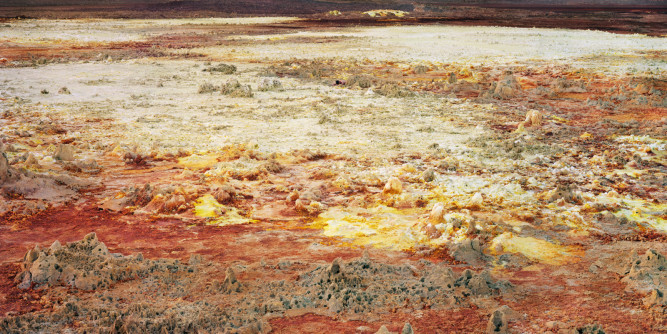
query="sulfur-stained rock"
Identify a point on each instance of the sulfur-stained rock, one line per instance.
(31, 161)
(90, 238)
(174, 203)
(475, 201)
(506, 88)
(292, 197)
(301, 205)
(565, 192)
(565, 85)
(315, 207)
(588, 329)
(86, 283)
(224, 194)
(437, 214)
(452, 78)
(156, 205)
(393, 186)
(235, 89)
(533, 119)
(642, 89)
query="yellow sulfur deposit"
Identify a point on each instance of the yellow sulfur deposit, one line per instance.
(385, 13)
(207, 207)
(196, 161)
(536, 249)
(381, 227)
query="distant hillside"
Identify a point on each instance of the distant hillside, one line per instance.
(296, 4)
(75, 2)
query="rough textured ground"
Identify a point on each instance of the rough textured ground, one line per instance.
(240, 178)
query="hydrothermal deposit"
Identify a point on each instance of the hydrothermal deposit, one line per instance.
(223, 175)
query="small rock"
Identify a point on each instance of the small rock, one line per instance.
(335, 267)
(393, 186)
(476, 201)
(383, 330)
(428, 175)
(56, 246)
(590, 329)
(497, 323)
(437, 214)
(231, 284)
(4, 168)
(26, 282)
(31, 161)
(469, 251)
(195, 259)
(266, 84)
(655, 298)
(65, 152)
(173, 203)
(293, 196)
(90, 238)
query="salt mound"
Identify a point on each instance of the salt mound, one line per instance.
(564, 85)
(230, 284)
(234, 89)
(469, 251)
(31, 185)
(362, 285)
(565, 192)
(650, 267)
(85, 265)
(506, 88)
(65, 152)
(5, 170)
(648, 273)
(267, 84)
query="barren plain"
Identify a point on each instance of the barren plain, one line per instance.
(268, 175)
